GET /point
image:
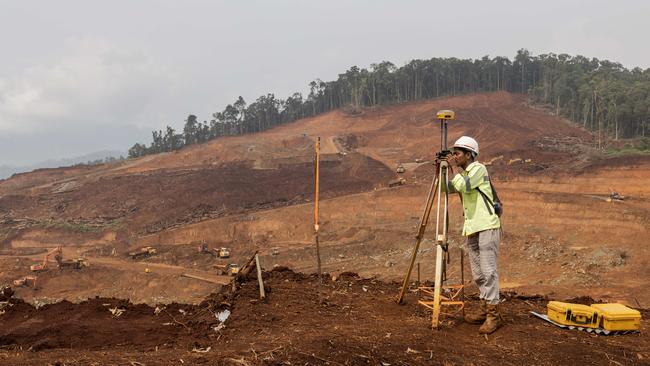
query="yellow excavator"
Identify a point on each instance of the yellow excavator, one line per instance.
(42, 266)
(57, 252)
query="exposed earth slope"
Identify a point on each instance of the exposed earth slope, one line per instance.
(563, 238)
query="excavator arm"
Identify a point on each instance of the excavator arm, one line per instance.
(58, 252)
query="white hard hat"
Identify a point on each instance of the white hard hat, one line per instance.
(467, 143)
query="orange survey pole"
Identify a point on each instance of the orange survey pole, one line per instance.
(316, 226)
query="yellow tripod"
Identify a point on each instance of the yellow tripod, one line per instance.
(438, 296)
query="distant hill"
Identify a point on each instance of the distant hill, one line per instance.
(7, 170)
(598, 95)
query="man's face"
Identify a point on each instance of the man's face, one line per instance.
(462, 157)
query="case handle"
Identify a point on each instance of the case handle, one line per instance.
(588, 320)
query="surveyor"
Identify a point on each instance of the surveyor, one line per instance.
(482, 228)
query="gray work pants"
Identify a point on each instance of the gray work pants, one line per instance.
(483, 248)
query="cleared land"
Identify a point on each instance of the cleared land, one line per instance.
(562, 240)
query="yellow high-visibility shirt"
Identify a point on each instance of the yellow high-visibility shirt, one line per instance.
(478, 211)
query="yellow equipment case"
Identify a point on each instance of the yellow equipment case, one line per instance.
(573, 314)
(618, 317)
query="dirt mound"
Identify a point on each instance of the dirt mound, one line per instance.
(348, 321)
(98, 324)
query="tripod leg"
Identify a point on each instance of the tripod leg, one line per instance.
(438, 286)
(462, 278)
(441, 245)
(423, 226)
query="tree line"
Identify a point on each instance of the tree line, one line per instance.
(600, 95)
(108, 159)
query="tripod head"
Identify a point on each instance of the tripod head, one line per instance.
(441, 155)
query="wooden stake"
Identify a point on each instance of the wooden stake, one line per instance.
(316, 225)
(259, 277)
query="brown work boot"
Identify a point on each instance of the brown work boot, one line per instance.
(493, 320)
(478, 316)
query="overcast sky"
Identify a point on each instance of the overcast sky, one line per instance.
(82, 76)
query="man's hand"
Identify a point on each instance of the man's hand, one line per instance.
(436, 163)
(451, 159)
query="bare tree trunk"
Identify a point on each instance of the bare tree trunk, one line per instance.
(399, 99)
(615, 122)
(522, 78)
(437, 89)
(489, 81)
(453, 83)
(593, 106)
(599, 121)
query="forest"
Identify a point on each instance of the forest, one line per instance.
(600, 95)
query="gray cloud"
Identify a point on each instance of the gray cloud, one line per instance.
(94, 83)
(107, 73)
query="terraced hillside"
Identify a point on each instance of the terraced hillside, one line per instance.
(255, 192)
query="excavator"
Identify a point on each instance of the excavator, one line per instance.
(78, 263)
(38, 267)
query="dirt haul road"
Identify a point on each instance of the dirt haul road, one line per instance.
(562, 238)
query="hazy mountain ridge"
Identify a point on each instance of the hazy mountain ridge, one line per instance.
(7, 171)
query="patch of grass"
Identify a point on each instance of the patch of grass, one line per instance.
(71, 226)
(625, 151)
(115, 224)
(81, 227)
(640, 147)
